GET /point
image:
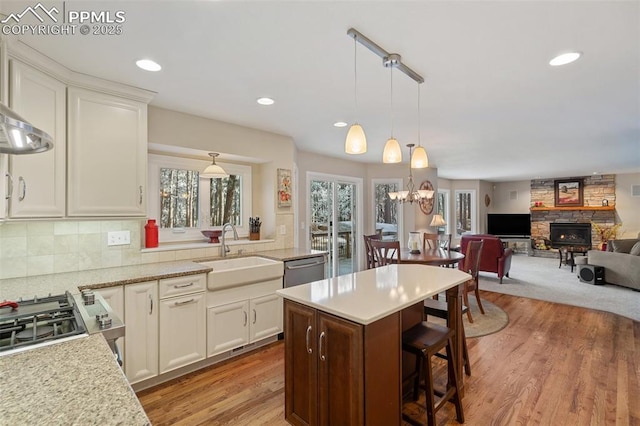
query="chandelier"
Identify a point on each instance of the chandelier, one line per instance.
(411, 194)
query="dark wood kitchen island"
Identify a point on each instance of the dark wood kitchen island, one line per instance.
(343, 356)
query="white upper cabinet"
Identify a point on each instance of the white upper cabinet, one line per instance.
(98, 166)
(107, 154)
(38, 180)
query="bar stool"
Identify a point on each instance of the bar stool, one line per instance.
(425, 340)
(438, 309)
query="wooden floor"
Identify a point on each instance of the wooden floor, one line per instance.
(552, 365)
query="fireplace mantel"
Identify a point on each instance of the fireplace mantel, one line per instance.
(575, 208)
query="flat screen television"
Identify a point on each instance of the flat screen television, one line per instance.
(512, 225)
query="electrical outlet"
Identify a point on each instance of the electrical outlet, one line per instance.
(283, 230)
(118, 238)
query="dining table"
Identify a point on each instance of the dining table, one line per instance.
(435, 256)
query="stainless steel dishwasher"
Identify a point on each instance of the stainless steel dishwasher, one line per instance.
(302, 271)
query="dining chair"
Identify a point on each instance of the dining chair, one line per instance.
(429, 241)
(371, 254)
(386, 252)
(472, 266)
(432, 241)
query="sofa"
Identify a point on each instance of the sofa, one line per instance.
(494, 257)
(621, 262)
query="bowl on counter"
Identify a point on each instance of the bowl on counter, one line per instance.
(212, 235)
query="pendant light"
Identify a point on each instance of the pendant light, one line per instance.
(419, 159)
(213, 170)
(356, 141)
(392, 152)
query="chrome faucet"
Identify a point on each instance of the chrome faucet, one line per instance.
(225, 248)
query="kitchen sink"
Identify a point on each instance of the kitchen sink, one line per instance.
(241, 271)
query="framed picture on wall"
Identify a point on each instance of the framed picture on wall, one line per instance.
(569, 192)
(284, 188)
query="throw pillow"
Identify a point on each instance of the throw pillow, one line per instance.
(635, 250)
(618, 246)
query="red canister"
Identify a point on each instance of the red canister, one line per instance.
(151, 234)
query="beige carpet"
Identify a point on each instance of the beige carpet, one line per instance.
(494, 319)
(540, 278)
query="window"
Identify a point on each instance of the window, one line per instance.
(386, 211)
(186, 203)
(442, 208)
(465, 211)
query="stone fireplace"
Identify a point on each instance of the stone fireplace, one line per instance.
(570, 234)
(597, 189)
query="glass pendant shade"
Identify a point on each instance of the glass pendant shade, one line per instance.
(356, 142)
(419, 159)
(213, 170)
(392, 152)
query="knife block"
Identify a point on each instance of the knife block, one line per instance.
(253, 236)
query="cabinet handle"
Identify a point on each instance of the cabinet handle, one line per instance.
(150, 304)
(140, 194)
(183, 285)
(321, 339)
(255, 316)
(184, 302)
(10, 191)
(24, 188)
(309, 350)
(246, 318)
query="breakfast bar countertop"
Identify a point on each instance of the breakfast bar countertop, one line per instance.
(75, 382)
(367, 296)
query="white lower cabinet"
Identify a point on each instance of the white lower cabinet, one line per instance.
(141, 332)
(182, 331)
(239, 316)
(266, 317)
(227, 327)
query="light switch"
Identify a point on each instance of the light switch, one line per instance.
(283, 230)
(118, 238)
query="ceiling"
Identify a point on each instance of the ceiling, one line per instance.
(491, 106)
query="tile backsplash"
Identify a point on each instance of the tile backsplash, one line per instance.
(47, 247)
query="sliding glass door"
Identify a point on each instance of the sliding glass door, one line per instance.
(334, 221)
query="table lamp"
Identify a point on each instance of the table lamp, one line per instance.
(437, 221)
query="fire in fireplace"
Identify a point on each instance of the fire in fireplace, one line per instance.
(570, 234)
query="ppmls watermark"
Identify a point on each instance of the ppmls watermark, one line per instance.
(40, 20)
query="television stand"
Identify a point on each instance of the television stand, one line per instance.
(517, 241)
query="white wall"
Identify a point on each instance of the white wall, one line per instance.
(265, 151)
(502, 191)
(627, 207)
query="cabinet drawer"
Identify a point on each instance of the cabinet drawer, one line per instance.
(170, 287)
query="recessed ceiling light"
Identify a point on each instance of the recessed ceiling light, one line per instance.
(148, 65)
(265, 101)
(340, 124)
(564, 59)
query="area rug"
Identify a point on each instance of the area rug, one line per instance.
(493, 320)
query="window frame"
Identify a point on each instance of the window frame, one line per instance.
(474, 210)
(446, 214)
(174, 235)
(400, 211)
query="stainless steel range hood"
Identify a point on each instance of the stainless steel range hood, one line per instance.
(17, 136)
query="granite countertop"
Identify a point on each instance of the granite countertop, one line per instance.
(83, 385)
(386, 290)
(41, 285)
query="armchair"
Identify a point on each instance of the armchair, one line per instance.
(494, 258)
